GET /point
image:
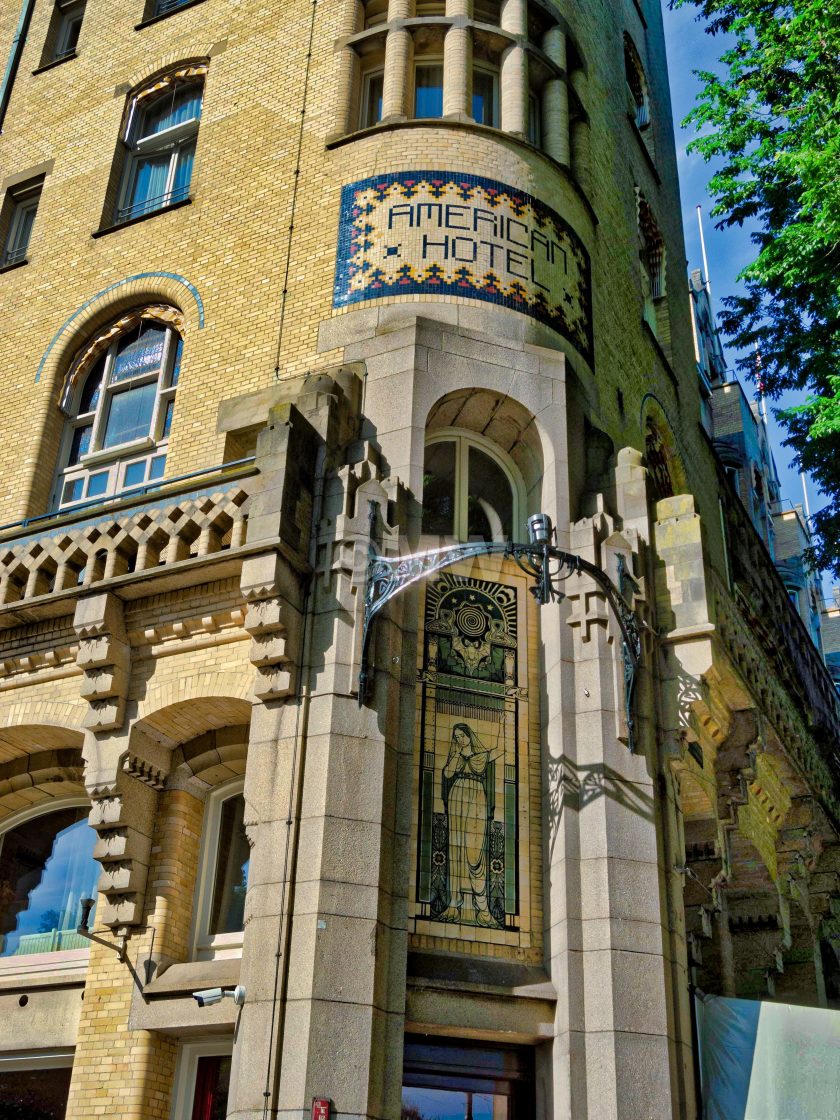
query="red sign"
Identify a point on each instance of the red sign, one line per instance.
(321, 1109)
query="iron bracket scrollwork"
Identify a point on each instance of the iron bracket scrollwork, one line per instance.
(546, 565)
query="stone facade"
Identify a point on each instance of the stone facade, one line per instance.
(349, 240)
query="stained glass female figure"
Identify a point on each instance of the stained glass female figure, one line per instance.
(468, 789)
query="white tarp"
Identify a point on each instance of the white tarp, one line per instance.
(768, 1061)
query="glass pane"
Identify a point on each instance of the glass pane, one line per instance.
(534, 119)
(139, 353)
(452, 1104)
(490, 508)
(135, 474)
(149, 185)
(439, 489)
(176, 361)
(46, 866)
(90, 393)
(212, 1085)
(231, 878)
(183, 172)
(181, 103)
(373, 100)
(130, 415)
(98, 484)
(169, 409)
(80, 444)
(23, 219)
(37, 1094)
(157, 468)
(484, 97)
(72, 491)
(428, 91)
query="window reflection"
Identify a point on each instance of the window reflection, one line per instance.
(46, 867)
(232, 862)
(467, 493)
(452, 1104)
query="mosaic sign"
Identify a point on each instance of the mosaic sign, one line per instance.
(471, 753)
(445, 233)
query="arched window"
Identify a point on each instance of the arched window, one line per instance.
(120, 397)
(46, 868)
(637, 84)
(160, 136)
(223, 877)
(470, 491)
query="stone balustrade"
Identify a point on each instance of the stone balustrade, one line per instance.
(79, 551)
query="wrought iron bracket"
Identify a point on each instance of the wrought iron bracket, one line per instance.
(547, 566)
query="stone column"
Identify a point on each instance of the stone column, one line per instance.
(457, 62)
(555, 100)
(399, 54)
(514, 70)
(580, 144)
(349, 80)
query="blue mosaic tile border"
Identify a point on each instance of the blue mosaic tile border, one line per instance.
(493, 243)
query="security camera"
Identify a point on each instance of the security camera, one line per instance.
(208, 996)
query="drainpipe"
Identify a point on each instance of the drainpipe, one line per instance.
(14, 58)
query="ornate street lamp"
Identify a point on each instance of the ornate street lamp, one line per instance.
(547, 566)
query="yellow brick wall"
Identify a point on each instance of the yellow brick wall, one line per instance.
(231, 243)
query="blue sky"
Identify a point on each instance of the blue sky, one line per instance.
(728, 251)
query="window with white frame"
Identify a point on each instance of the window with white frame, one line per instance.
(470, 489)
(46, 869)
(202, 1080)
(372, 85)
(20, 208)
(485, 96)
(70, 17)
(120, 398)
(160, 138)
(223, 876)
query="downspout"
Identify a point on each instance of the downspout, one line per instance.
(18, 44)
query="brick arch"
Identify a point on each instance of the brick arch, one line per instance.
(214, 758)
(159, 67)
(132, 291)
(41, 778)
(499, 418)
(52, 731)
(167, 716)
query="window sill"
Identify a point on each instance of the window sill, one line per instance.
(165, 15)
(44, 969)
(141, 218)
(113, 454)
(15, 264)
(51, 65)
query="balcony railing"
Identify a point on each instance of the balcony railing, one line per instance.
(152, 205)
(14, 256)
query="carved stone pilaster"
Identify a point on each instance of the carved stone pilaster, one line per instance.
(123, 780)
(105, 656)
(273, 623)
